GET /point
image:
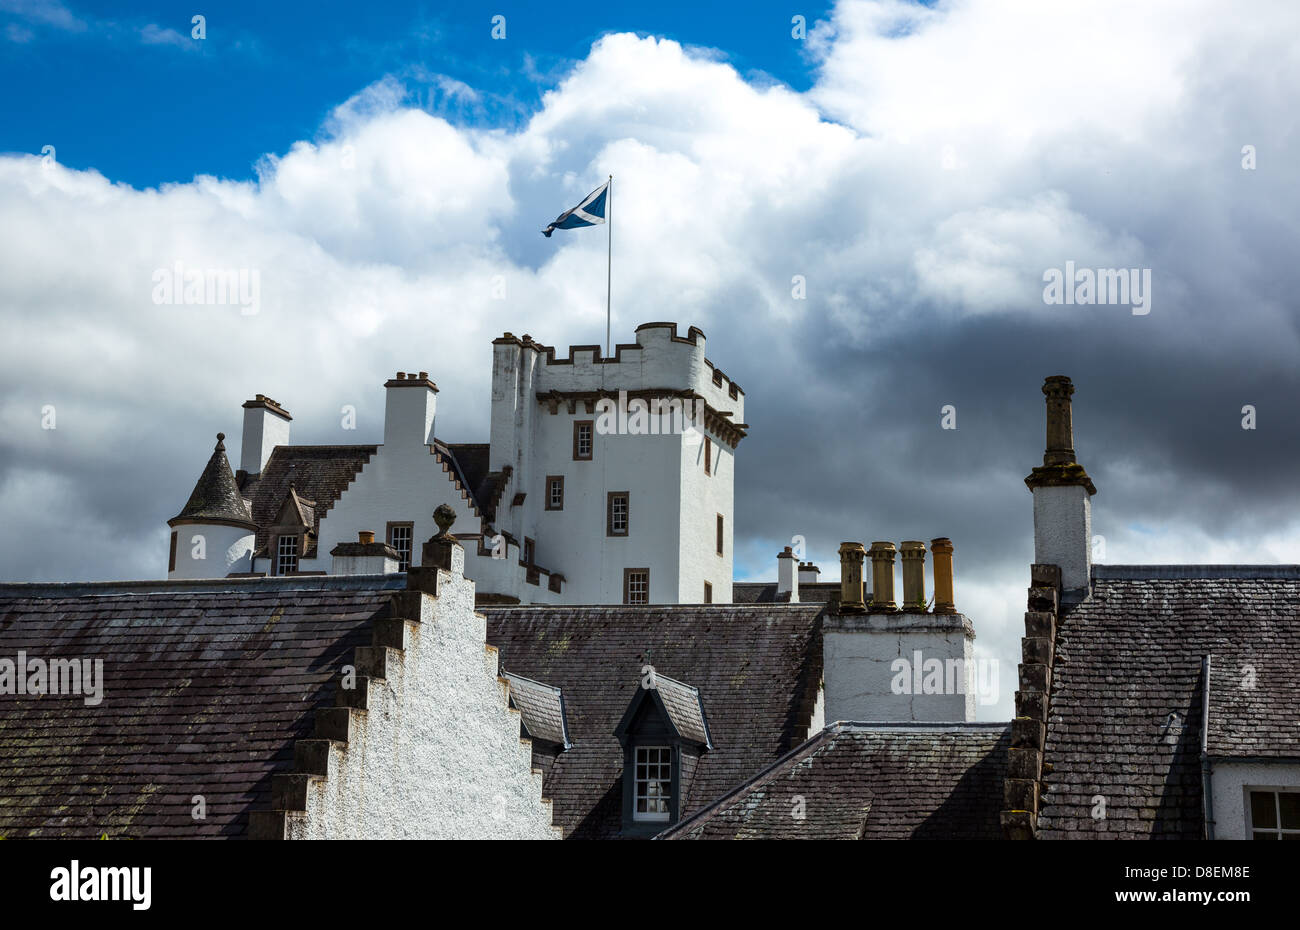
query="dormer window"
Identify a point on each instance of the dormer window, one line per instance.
(662, 731)
(286, 555)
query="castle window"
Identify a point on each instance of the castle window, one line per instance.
(530, 551)
(654, 783)
(1275, 815)
(618, 516)
(708, 593)
(636, 586)
(286, 555)
(583, 431)
(399, 537)
(171, 557)
(720, 534)
(708, 455)
(554, 492)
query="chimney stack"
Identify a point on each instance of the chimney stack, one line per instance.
(943, 599)
(913, 555)
(1062, 497)
(409, 410)
(787, 582)
(882, 578)
(852, 555)
(266, 425)
(808, 573)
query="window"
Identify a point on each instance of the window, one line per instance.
(708, 455)
(582, 440)
(636, 586)
(654, 783)
(1275, 815)
(530, 551)
(617, 515)
(554, 492)
(171, 557)
(720, 534)
(708, 593)
(286, 554)
(399, 537)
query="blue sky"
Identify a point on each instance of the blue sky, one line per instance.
(116, 91)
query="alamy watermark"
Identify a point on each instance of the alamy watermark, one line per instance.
(56, 677)
(919, 675)
(1119, 286)
(650, 417)
(235, 287)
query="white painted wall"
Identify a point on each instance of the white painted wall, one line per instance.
(1063, 532)
(226, 549)
(859, 651)
(1231, 780)
(437, 755)
(263, 431)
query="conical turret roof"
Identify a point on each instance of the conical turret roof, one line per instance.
(216, 497)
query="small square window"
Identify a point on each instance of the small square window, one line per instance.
(618, 514)
(583, 440)
(554, 492)
(636, 586)
(654, 783)
(399, 537)
(286, 555)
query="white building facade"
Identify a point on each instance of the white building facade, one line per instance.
(605, 480)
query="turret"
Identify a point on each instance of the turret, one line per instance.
(214, 534)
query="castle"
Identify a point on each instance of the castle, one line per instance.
(605, 481)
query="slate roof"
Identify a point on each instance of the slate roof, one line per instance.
(216, 495)
(318, 473)
(870, 781)
(685, 710)
(206, 685)
(758, 670)
(1130, 655)
(541, 708)
(764, 592)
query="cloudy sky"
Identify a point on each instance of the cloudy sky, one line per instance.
(920, 166)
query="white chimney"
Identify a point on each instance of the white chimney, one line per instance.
(409, 410)
(808, 573)
(787, 581)
(266, 425)
(1062, 497)
(364, 557)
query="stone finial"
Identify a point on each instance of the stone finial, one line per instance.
(444, 516)
(221, 443)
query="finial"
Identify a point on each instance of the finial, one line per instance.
(221, 444)
(444, 516)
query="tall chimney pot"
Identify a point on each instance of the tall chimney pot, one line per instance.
(882, 577)
(913, 555)
(852, 555)
(943, 599)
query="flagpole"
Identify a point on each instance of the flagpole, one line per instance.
(609, 258)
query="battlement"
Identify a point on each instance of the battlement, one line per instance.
(660, 359)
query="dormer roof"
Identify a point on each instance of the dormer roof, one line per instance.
(676, 702)
(216, 498)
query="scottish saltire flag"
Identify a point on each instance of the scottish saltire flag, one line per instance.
(588, 213)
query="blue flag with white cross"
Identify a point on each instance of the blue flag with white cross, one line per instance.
(590, 212)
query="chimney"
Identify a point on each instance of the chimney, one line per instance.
(364, 557)
(808, 573)
(913, 555)
(882, 578)
(409, 410)
(1062, 497)
(851, 557)
(787, 582)
(943, 599)
(266, 425)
